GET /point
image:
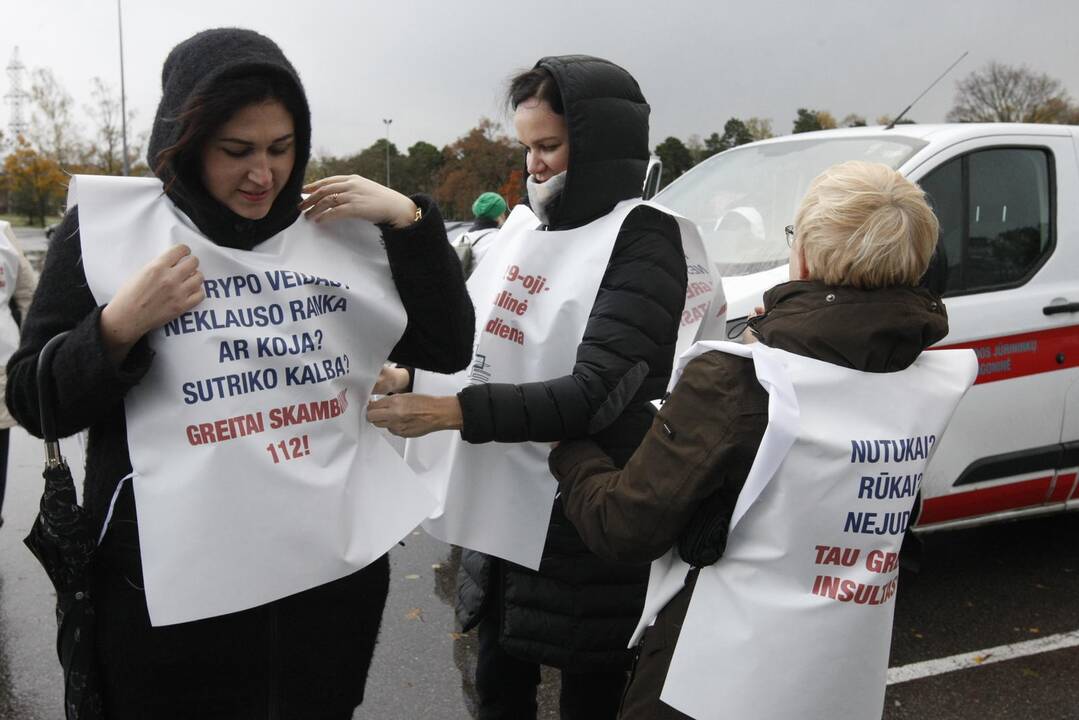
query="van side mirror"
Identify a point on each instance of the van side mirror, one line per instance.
(652, 178)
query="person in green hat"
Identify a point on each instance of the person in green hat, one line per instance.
(490, 211)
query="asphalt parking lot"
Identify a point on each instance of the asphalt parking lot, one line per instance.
(987, 588)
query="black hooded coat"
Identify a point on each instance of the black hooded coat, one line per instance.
(578, 612)
(306, 655)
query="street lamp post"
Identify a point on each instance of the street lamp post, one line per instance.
(123, 94)
(386, 122)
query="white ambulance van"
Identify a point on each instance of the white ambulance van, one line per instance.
(1007, 196)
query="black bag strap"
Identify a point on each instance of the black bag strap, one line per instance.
(46, 389)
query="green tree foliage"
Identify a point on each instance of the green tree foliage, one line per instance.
(736, 133)
(369, 162)
(419, 172)
(713, 144)
(676, 158)
(810, 120)
(806, 121)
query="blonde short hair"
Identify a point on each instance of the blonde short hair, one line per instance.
(863, 224)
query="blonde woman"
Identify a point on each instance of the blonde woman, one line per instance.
(851, 317)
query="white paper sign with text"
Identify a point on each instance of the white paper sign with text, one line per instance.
(256, 474)
(533, 291)
(795, 619)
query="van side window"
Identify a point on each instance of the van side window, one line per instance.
(944, 186)
(994, 212)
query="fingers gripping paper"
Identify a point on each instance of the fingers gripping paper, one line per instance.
(805, 589)
(256, 475)
(533, 291)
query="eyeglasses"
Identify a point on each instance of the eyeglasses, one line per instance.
(790, 235)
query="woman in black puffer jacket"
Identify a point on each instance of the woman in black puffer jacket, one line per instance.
(307, 655)
(584, 123)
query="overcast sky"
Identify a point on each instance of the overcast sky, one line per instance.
(436, 66)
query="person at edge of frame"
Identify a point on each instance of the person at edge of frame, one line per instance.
(19, 293)
(489, 210)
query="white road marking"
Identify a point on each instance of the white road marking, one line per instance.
(928, 668)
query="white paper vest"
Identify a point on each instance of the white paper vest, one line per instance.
(795, 619)
(9, 274)
(256, 473)
(533, 293)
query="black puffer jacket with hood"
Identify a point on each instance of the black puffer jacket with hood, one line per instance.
(578, 611)
(306, 655)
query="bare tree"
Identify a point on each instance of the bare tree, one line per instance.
(827, 120)
(759, 128)
(105, 111)
(696, 147)
(1006, 93)
(887, 120)
(106, 148)
(54, 128)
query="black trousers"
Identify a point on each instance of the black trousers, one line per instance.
(304, 657)
(507, 686)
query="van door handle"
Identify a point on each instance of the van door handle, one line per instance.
(1062, 308)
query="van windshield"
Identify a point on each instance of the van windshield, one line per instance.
(742, 199)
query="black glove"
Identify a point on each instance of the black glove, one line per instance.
(704, 539)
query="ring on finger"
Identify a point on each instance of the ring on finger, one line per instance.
(333, 200)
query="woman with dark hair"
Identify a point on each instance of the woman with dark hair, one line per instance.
(230, 144)
(607, 332)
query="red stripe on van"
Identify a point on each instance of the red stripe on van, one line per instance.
(1027, 493)
(1065, 484)
(1062, 489)
(1012, 356)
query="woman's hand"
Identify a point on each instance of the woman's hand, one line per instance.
(411, 415)
(353, 196)
(748, 336)
(391, 380)
(168, 286)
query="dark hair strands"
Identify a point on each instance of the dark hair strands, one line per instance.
(205, 112)
(535, 83)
